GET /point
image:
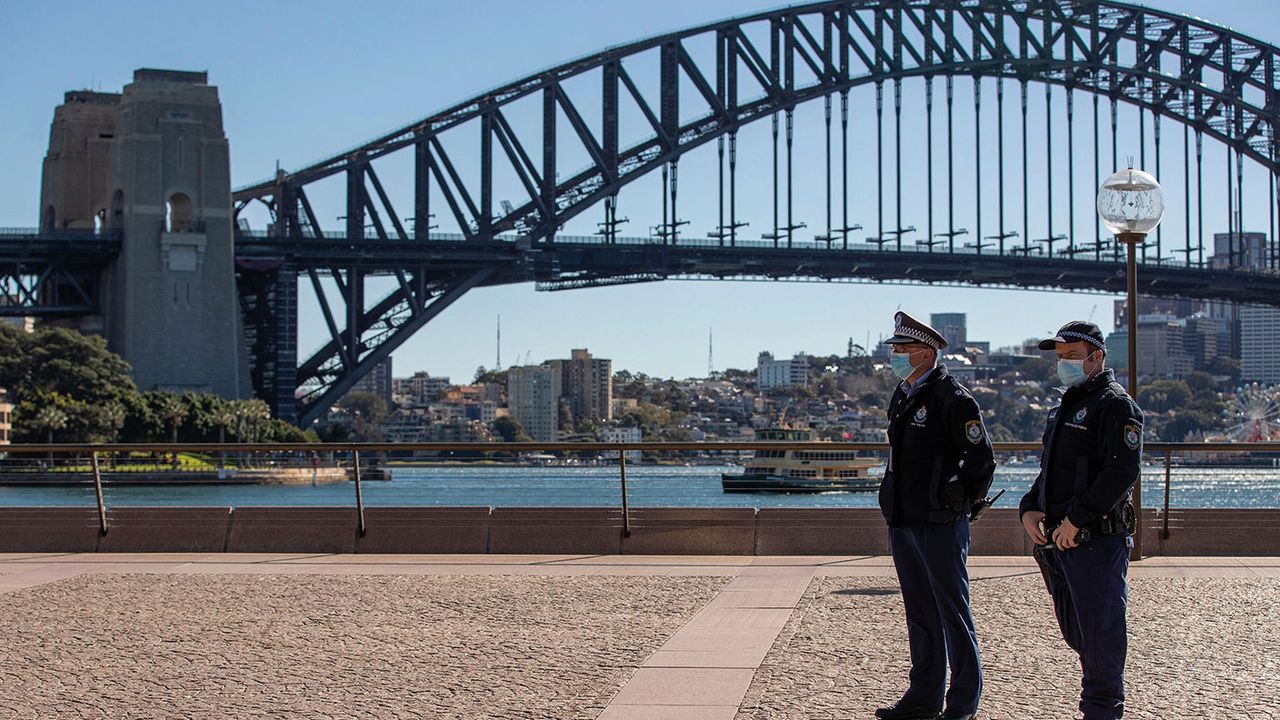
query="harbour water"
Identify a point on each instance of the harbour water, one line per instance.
(648, 486)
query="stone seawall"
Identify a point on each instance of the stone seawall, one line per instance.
(263, 476)
(653, 531)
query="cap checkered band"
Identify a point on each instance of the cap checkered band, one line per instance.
(1086, 338)
(916, 335)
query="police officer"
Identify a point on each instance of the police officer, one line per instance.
(940, 465)
(1079, 513)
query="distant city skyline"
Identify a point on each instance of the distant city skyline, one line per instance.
(301, 82)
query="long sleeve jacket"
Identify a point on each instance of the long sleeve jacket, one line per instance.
(1092, 449)
(936, 435)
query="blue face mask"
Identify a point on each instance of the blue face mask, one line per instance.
(901, 365)
(1071, 372)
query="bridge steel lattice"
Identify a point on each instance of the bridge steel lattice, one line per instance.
(1211, 81)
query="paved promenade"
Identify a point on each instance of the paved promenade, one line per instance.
(608, 637)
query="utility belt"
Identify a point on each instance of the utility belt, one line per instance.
(1119, 521)
(943, 517)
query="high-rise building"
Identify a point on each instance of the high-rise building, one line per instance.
(1175, 309)
(952, 327)
(772, 373)
(1238, 250)
(586, 384)
(1260, 344)
(1160, 349)
(1200, 337)
(533, 396)
(378, 382)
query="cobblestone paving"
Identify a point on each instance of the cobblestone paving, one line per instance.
(1199, 647)
(233, 646)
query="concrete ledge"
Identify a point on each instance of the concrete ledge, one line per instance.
(425, 530)
(49, 529)
(1214, 532)
(553, 531)
(821, 531)
(166, 529)
(293, 529)
(691, 531)
(596, 531)
(999, 532)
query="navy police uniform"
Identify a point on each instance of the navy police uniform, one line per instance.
(1092, 447)
(940, 465)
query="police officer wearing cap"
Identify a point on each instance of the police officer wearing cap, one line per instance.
(1080, 516)
(940, 466)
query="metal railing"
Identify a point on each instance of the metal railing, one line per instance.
(306, 451)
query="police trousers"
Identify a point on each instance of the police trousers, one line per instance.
(1090, 589)
(930, 561)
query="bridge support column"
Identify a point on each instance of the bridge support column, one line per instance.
(163, 178)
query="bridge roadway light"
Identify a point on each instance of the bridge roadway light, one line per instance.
(1130, 205)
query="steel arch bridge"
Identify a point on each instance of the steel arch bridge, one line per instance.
(1212, 81)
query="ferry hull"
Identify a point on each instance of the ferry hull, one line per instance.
(781, 484)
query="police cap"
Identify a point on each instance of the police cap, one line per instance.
(907, 329)
(1076, 331)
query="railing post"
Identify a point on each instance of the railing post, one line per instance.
(1137, 516)
(626, 516)
(97, 488)
(1168, 462)
(355, 457)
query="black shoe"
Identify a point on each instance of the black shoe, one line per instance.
(906, 712)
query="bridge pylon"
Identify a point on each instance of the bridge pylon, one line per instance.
(152, 164)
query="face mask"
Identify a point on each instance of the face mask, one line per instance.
(900, 363)
(1071, 372)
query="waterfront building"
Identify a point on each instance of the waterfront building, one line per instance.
(586, 384)
(533, 396)
(621, 435)
(6, 412)
(771, 373)
(407, 425)
(1259, 344)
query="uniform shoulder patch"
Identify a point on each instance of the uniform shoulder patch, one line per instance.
(973, 431)
(1132, 436)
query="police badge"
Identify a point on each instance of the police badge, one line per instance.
(1132, 436)
(921, 414)
(973, 431)
(1079, 418)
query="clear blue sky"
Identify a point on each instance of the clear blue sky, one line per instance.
(302, 80)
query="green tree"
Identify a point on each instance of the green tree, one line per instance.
(49, 419)
(510, 430)
(367, 412)
(1164, 395)
(1226, 366)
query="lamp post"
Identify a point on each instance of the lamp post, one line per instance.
(1130, 205)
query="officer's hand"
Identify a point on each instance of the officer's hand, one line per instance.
(1065, 536)
(1031, 523)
